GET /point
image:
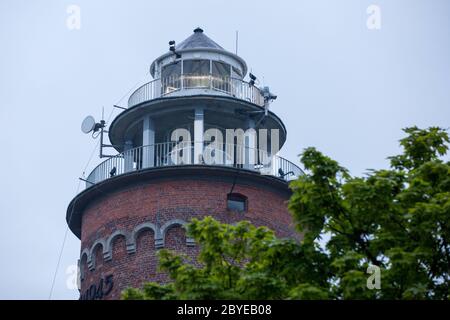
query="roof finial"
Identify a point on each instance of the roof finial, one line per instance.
(198, 30)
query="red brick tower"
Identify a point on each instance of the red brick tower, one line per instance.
(196, 141)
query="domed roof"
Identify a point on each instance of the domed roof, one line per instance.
(198, 40)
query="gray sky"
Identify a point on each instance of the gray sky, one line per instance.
(341, 87)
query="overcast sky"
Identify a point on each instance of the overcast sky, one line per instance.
(343, 88)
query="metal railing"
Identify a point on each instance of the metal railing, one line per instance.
(236, 88)
(190, 153)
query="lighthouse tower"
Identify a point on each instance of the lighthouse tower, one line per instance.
(196, 141)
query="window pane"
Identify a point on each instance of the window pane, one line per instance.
(236, 202)
(173, 69)
(196, 66)
(220, 69)
(236, 205)
(237, 73)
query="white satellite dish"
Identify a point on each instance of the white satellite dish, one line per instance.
(88, 124)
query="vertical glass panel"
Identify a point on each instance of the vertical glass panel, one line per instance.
(220, 69)
(196, 74)
(170, 78)
(173, 69)
(237, 73)
(196, 67)
(221, 76)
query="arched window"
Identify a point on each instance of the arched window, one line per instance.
(237, 202)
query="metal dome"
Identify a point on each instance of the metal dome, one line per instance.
(200, 42)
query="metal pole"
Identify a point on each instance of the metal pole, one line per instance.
(237, 40)
(102, 123)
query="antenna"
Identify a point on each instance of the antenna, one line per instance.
(237, 41)
(89, 125)
(268, 97)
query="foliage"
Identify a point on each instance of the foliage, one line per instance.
(397, 219)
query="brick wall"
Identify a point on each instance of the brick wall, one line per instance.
(159, 202)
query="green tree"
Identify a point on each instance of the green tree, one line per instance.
(396, 219)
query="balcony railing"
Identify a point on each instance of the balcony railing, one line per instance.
(176, 154)
(170, 85)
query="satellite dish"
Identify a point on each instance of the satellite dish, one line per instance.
(88, 124)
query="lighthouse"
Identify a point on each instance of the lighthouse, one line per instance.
(198, 140)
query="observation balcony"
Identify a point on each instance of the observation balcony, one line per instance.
(196, 84)
(182, 153)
